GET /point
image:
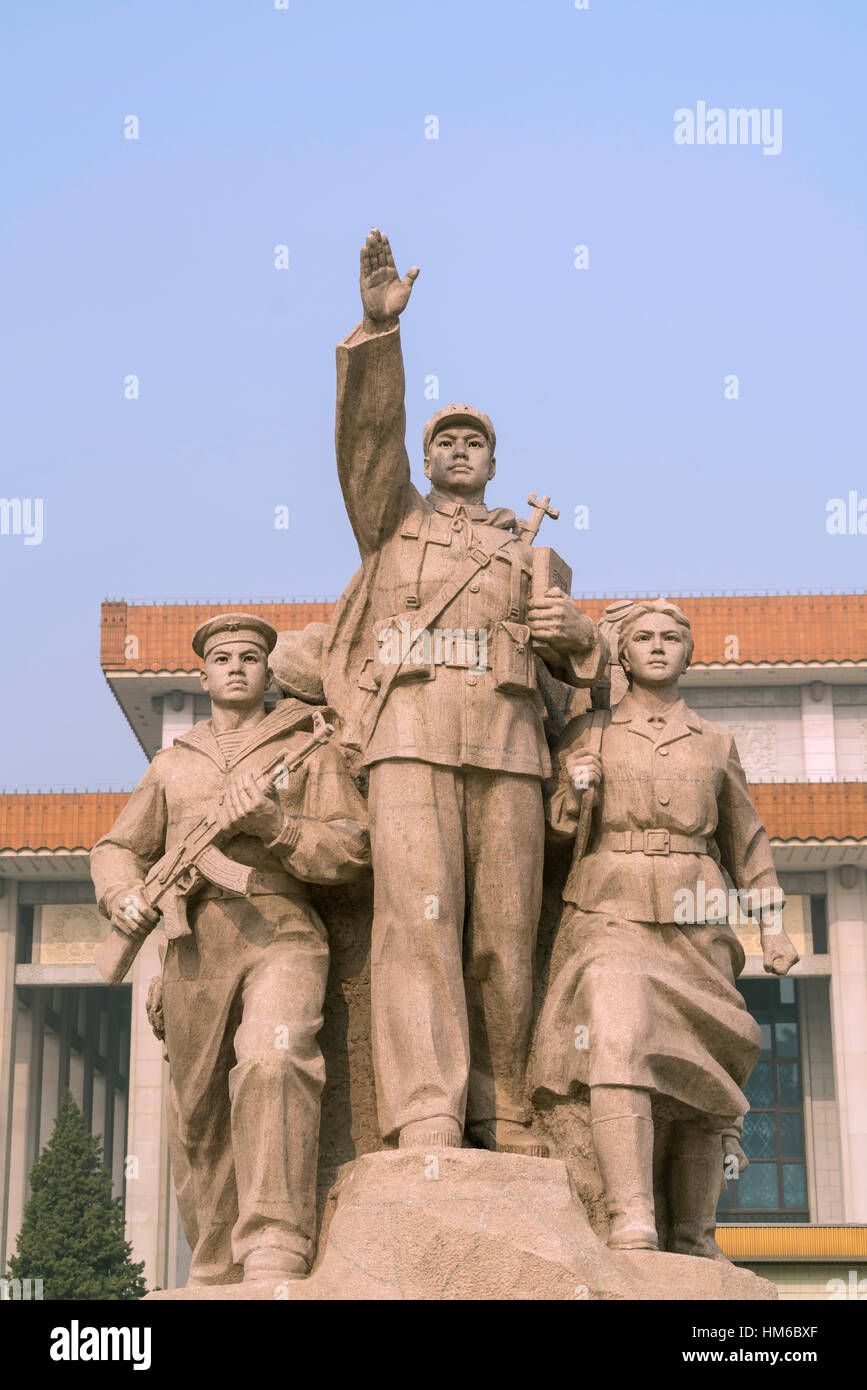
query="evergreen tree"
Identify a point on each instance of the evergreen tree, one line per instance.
(72, 1234)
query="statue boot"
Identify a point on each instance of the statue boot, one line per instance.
(622, 1129)
(439, 1132)
(507, 1137)
(273, 1262)
(695, 1175)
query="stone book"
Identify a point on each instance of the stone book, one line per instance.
(550, 571)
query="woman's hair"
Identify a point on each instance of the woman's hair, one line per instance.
(641, 609)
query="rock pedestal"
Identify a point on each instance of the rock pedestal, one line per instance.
(467, 1224)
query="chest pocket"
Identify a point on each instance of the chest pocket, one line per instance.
(685, 774)
(418, 531)
(439, 530)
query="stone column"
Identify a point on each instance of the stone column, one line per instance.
(17, 1145)
(147, 1176)
(150, 1205)
(821, 1110)
(817, 724)
(8, 923)
(177, 716)
(847, 945)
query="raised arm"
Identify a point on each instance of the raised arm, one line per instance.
(372, 462)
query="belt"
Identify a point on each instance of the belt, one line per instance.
(463, 654)
(261, 881)
(652, 842)
(465, 663)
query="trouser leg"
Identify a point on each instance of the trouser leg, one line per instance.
(622, 1127)
(275, 1089)
(182, 1173)
(199, 1130)
(418, 1009)
(505, 834)
(695, 1178)
(211, 1257)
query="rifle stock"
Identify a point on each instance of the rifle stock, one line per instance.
(116, 955)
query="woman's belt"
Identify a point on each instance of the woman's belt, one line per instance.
(652, 842)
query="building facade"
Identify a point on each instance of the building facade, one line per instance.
(786, 673)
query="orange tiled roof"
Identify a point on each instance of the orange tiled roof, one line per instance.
(773, 628)
(75, 820)
(793, 1242)
(57, 820)
(812, 810)
(158, 635)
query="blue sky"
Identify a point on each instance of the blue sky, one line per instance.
(304, 127)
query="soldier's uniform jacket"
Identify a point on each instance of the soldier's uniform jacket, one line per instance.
(677, 797)
(327, 845)
(440, 710)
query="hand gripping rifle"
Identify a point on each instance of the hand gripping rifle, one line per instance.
(175, 877)
(600, 696)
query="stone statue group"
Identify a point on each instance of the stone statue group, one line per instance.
(469, 698)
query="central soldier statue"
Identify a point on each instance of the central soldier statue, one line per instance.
(435, 659)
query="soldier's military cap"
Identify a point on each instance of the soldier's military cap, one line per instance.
(239, 627)
(459, 415)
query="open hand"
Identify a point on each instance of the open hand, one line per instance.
(383, 294)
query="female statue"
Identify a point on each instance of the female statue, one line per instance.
(644, 1010)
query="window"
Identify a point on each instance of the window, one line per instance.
(819, 923)
(774, 1186)
(77, 1037)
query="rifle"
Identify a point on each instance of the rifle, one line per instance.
(600, 696)
(176, 876)
(588, 796)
